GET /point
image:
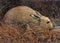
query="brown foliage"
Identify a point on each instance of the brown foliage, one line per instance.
(14, 34)
(10, 34)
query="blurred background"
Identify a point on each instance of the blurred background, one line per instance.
(49, 8)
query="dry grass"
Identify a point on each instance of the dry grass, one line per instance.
(37, 35)
(9, 35)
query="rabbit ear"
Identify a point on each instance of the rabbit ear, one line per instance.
(38, 13)
(35, 16)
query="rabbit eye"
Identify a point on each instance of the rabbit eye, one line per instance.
(48, 22)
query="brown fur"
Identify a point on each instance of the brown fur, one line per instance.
(22, 15)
